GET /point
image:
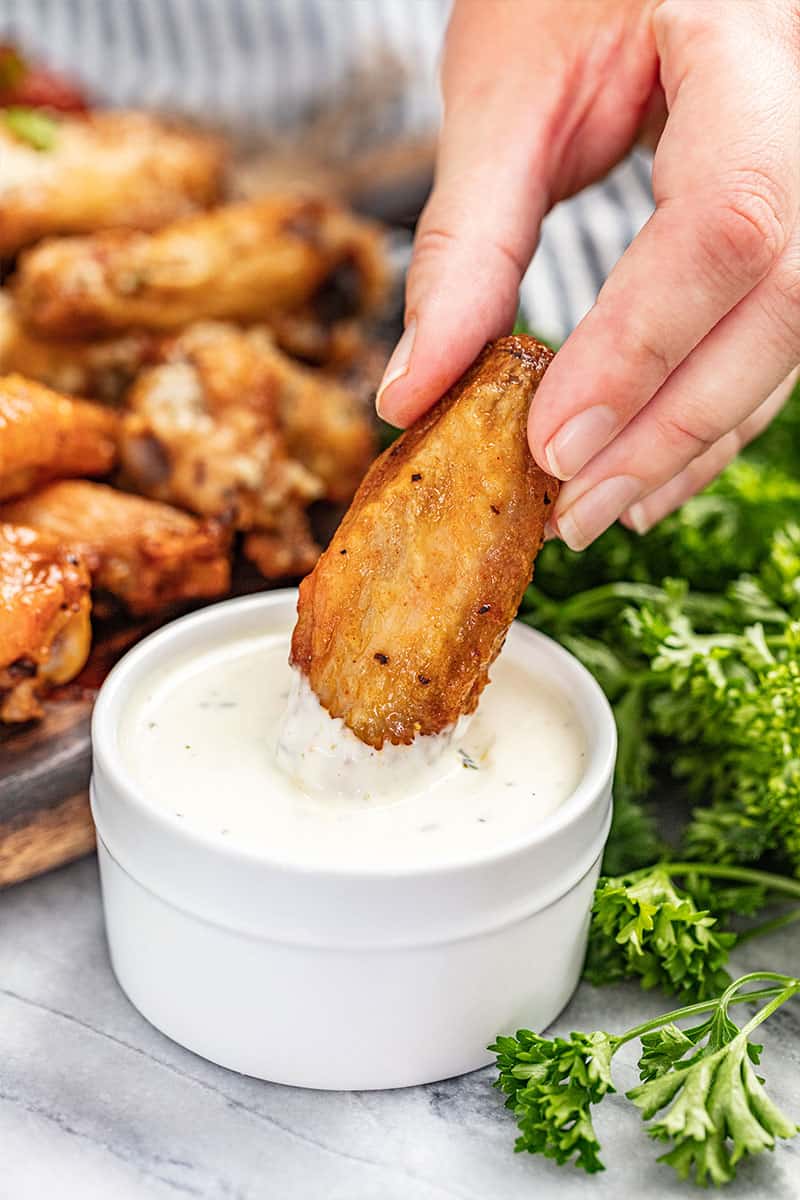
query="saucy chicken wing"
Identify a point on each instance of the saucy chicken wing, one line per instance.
(144, 554)
(45, 631)
(405, 612)
(44, 436)
(201, 430)
(249, 262)
(105, 170)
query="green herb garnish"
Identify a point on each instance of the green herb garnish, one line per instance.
(714, 1109)
(38, 129)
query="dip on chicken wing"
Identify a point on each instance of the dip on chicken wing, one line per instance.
(402, 617)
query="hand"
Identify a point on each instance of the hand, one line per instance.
(685, 355)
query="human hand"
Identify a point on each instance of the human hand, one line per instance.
(686, 353)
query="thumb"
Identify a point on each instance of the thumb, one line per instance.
(477, 233)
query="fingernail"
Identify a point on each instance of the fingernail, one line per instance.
(579, 439)
(397, 366)
(595, 510)
(635, 517)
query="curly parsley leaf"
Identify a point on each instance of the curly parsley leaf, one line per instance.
(645, 927)
(551, 1085)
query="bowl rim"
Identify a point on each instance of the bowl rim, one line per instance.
(594, 784)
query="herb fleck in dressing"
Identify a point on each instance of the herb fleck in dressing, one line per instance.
(484, 785)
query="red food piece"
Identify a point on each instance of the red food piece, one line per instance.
(31, 85)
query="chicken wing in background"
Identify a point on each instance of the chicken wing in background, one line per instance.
(326, 424)
(250, 262)
(45, 631)
(405, 612)
(44, 436)
(100, 370)
(144, 554)
(202, 430)
(100, 171)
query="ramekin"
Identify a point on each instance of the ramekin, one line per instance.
(344, 978)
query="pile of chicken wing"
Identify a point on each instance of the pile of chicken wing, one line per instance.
(173, 376)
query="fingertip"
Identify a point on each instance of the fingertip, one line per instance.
(396, 369)
(541, 457)
(635, 518)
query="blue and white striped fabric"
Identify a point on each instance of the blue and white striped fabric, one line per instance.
(255, 64)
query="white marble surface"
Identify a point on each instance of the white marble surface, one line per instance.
(96, 1105)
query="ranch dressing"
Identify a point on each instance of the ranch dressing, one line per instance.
(209, 737)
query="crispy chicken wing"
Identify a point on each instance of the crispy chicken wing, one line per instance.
(202, 430)
(105, 170)
(45, 631)
(144, 554)
(250, 262)
(326, 425)
(100, 369)
(405, 612)
(44, 435)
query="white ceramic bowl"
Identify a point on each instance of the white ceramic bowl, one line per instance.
(342, 978)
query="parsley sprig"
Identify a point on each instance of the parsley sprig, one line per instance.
(714, 1110)
(671, 936)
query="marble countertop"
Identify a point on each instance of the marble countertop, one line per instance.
(97, 1105)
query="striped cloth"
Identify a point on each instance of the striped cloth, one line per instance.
(267, 64)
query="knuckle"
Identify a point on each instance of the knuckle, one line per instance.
(433, 241)
(686, 435)
(748, 229)
(650, 359)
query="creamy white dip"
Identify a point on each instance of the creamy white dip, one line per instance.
(208, 737)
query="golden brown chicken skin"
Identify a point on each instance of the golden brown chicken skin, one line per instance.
(202, 430)
(106, 170)
(100, 369)
(408, 607)
(248, 262)
(45, 631)
(144, 554)
(44, 435)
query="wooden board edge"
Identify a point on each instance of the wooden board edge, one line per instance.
(56, 836)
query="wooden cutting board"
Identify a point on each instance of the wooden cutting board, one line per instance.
(44, 771)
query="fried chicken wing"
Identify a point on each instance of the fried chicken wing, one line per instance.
(144, 554)
(201, 430)
(44, 435)
(45, 631)
(405, 612)
(326, 425)
(249, 262)
(104, 170)
(100, 370)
